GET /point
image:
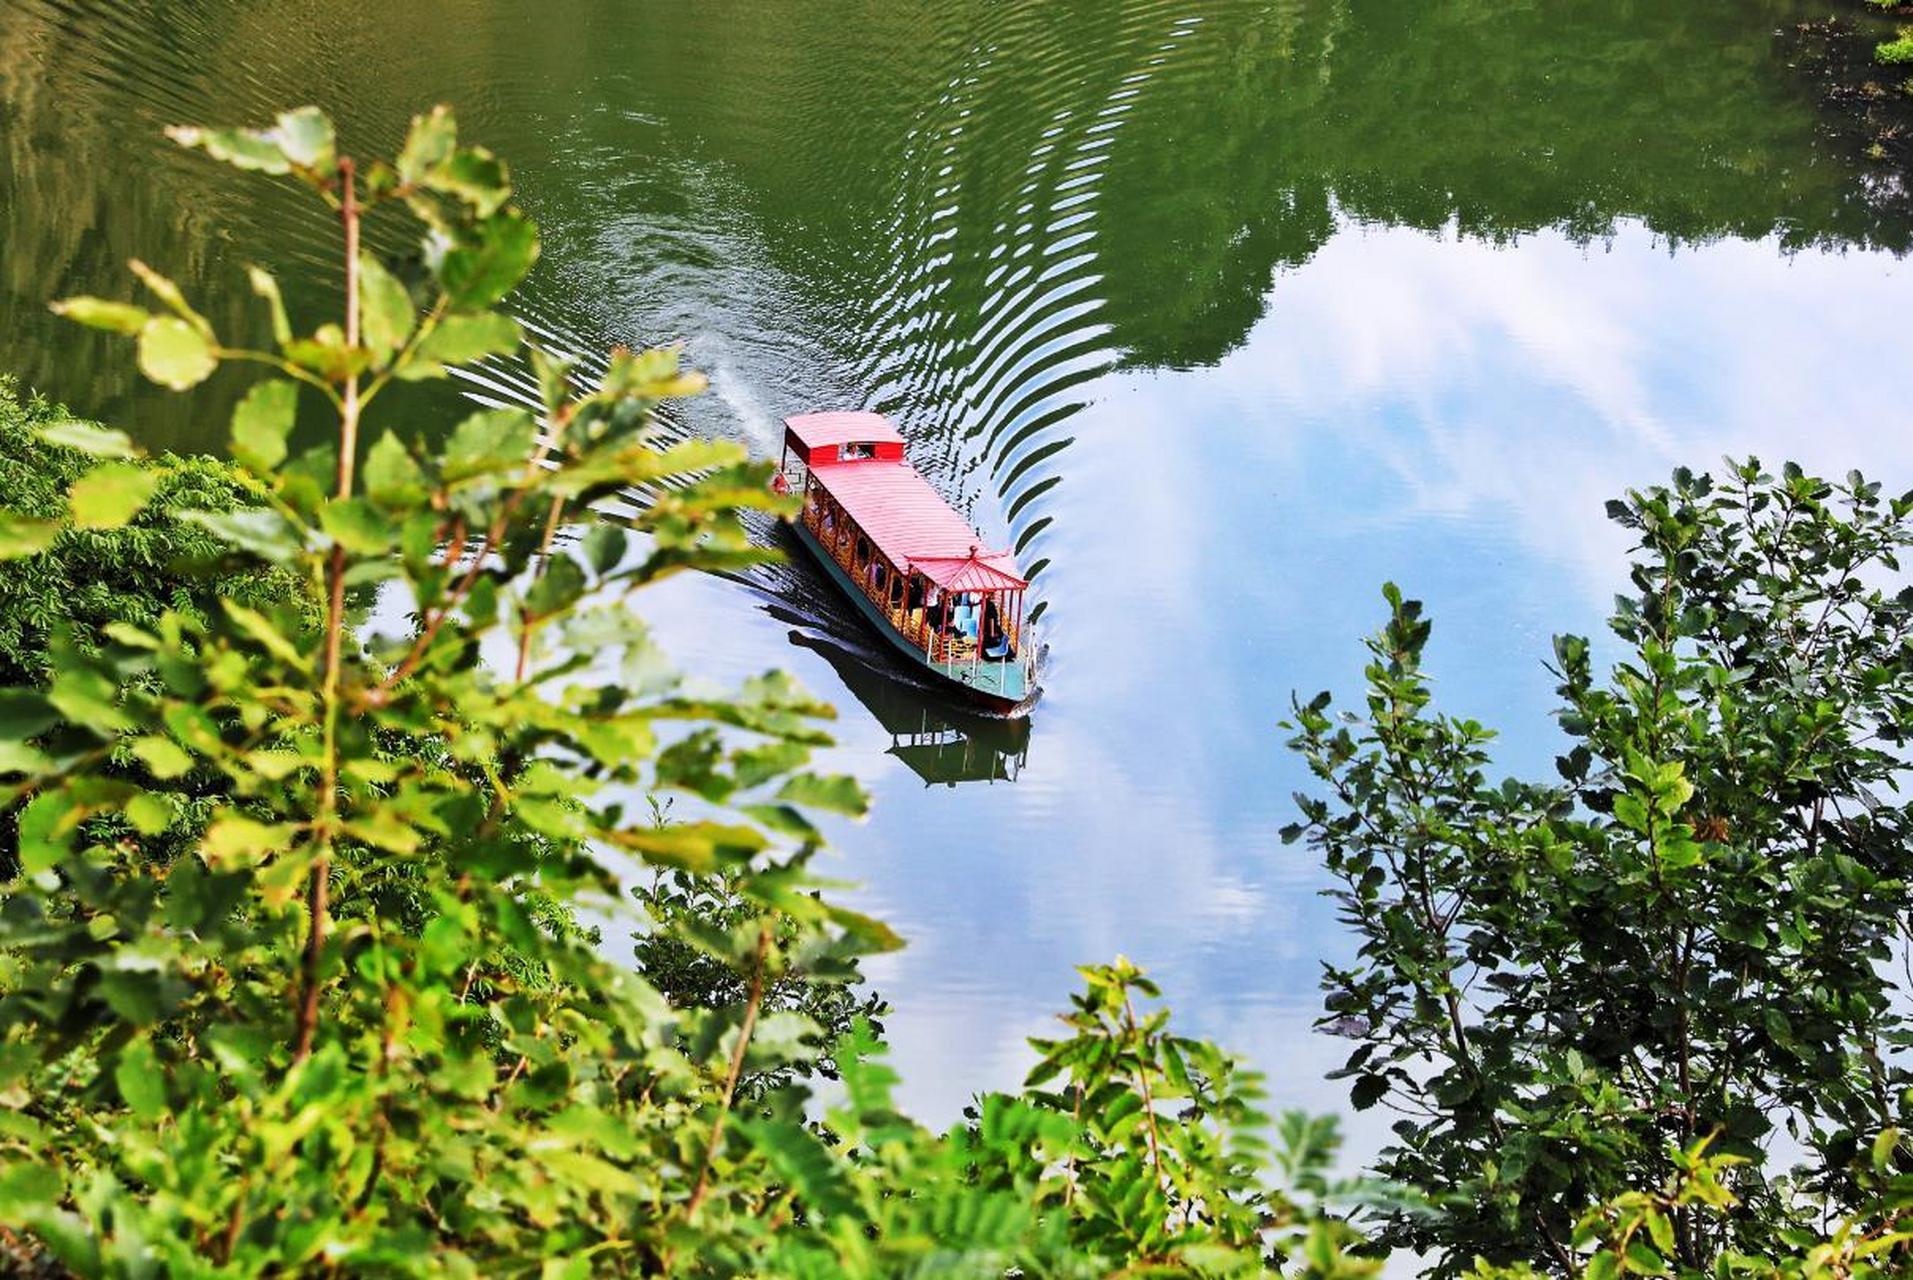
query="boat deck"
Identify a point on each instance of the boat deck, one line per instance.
(955, 658)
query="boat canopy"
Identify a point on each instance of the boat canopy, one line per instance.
(824, 437)
(911, 524)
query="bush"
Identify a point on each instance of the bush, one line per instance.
(1896, 51)
(348, 1026)
(1687, 937)
(130, 573)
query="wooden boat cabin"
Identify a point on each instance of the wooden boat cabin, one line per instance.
(912, 566)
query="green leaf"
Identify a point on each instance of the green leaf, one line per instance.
(327, 354)
(603, 547)
(174, 354)
(141, 1079)
(488, 441)
(24, 714)
(266, 287)
(262, 422)
(392, 479)
(358, 526)
(150, 812)
(262, 629)
(25, 536)
(166, 291)
(87, 437)
(236, 840)
(305, 137)
(264, 533)
(839, 793)
(163, 758)
(428, 143)
(241, 148)
(473, 175)
(386, 312)
(489, 263)
(46, 830)
(101, 313)
(461, 339)
(111, 494)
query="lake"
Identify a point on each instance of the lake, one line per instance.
(1220, 313)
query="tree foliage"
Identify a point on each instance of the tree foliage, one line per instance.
(1566, 987)
(130, 572)
(345, 1024)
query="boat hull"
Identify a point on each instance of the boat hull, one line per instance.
(1001, 686)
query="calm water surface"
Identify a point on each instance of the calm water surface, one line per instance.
(1220, 312)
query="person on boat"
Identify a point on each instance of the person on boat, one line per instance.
(996, 643)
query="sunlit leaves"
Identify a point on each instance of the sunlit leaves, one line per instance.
(300, 140)
(175, 354)
(111, 494)
(392, 478)
(461, 338)
(428, 144)
(262, 421)
(25, 535)
(386, 313)
(267, 288)
(480, 268)
(488, 441)
(262, 532)
(100, 313)
(327, 354)
(88, 438)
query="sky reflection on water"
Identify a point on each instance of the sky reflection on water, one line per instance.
(1437, 411)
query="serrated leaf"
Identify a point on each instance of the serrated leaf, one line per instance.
(392, 478)
(241, 148)
(263, 533)
(430, 141)
(488, 441)
(174, 354)
(358, 526)
(111, 494)
(489, 263)
(305, 137)
(474, 176)
(461, 339)
(385, 308)
(262, 629)
(87, 437)
(262, 422)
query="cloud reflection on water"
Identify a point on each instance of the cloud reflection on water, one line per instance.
(1442, 412)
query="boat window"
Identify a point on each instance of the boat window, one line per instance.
(851, 452)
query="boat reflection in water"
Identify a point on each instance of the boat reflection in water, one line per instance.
(941, 742)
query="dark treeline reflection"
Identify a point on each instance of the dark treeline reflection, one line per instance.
(963, 212)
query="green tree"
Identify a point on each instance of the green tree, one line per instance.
(95, 573)
(349, 1027)
(1562, 986)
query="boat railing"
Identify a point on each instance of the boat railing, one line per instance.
(912, 624)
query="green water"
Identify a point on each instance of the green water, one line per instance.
(1220, 312)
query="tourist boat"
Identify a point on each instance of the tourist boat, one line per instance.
(909, 563)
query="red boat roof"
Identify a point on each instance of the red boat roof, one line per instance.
(829, 430)
(911, 523)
